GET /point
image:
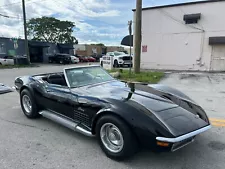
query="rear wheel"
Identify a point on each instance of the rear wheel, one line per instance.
(28, 104)
(115, 138)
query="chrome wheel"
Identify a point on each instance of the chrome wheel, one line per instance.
(111, 137)
(27, 104)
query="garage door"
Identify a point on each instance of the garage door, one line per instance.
(218, 58)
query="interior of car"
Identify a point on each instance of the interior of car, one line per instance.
(58, 79)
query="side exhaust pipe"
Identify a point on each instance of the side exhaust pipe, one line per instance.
(65, 122)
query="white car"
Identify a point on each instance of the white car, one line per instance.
(120, 59)
(6, 60)
(74, 59)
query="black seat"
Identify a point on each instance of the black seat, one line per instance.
(57, 79)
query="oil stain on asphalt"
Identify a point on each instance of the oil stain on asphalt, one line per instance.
(216, 145)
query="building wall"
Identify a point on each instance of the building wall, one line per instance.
(172, 44)
(88, 50)
(115, 48)
(7, 45)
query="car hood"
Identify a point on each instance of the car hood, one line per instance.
(126, 92)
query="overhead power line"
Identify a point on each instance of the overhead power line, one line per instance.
(8, 16)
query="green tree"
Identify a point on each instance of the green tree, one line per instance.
(51, 29)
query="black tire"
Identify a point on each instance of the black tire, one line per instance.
(130, 145)
(116, 63)
(101, 64)
(34, 108)
(61, 62)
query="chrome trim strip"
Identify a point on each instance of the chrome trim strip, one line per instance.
(66, 78)
(183, 137)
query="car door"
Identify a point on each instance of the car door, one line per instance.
(85, 107)
(59, 100)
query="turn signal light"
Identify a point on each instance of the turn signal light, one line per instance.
(163, 144)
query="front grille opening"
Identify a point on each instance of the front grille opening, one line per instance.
(182, 143)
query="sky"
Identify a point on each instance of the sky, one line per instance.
(97, 21)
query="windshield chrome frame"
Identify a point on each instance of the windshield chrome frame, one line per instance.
(78, 67)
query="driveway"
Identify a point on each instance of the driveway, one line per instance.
(43, 144)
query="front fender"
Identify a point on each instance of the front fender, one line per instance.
(139, 119)
(180, 99)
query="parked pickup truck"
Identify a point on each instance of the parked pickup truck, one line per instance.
(119, 59)
(60, 58)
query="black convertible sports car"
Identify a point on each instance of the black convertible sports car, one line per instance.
(123, 116)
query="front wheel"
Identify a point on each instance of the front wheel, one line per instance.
(28, 104)
(115, 138)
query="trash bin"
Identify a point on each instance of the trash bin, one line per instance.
(21, 60)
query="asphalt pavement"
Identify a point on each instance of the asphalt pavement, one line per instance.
(43, 144)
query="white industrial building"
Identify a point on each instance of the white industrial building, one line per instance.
(187, 36)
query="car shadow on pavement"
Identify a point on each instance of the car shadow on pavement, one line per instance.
(184, 158)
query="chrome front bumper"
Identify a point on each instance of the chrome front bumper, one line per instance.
(179, 142)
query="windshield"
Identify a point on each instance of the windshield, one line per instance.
(118, 53)
(78, 77)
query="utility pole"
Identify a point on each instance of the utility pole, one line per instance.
(25, 31)
(137, 47)
(130, 33)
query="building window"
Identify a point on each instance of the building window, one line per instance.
(2, 48)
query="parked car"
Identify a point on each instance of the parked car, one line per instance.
(120, 59)
(123, 116)
(91, 59)
(97, 56)
(6, 60)
(60, 58)
(82, 59)
(74, 59)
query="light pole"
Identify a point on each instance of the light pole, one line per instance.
(130, 39)
(25, 31)
(138, 22)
